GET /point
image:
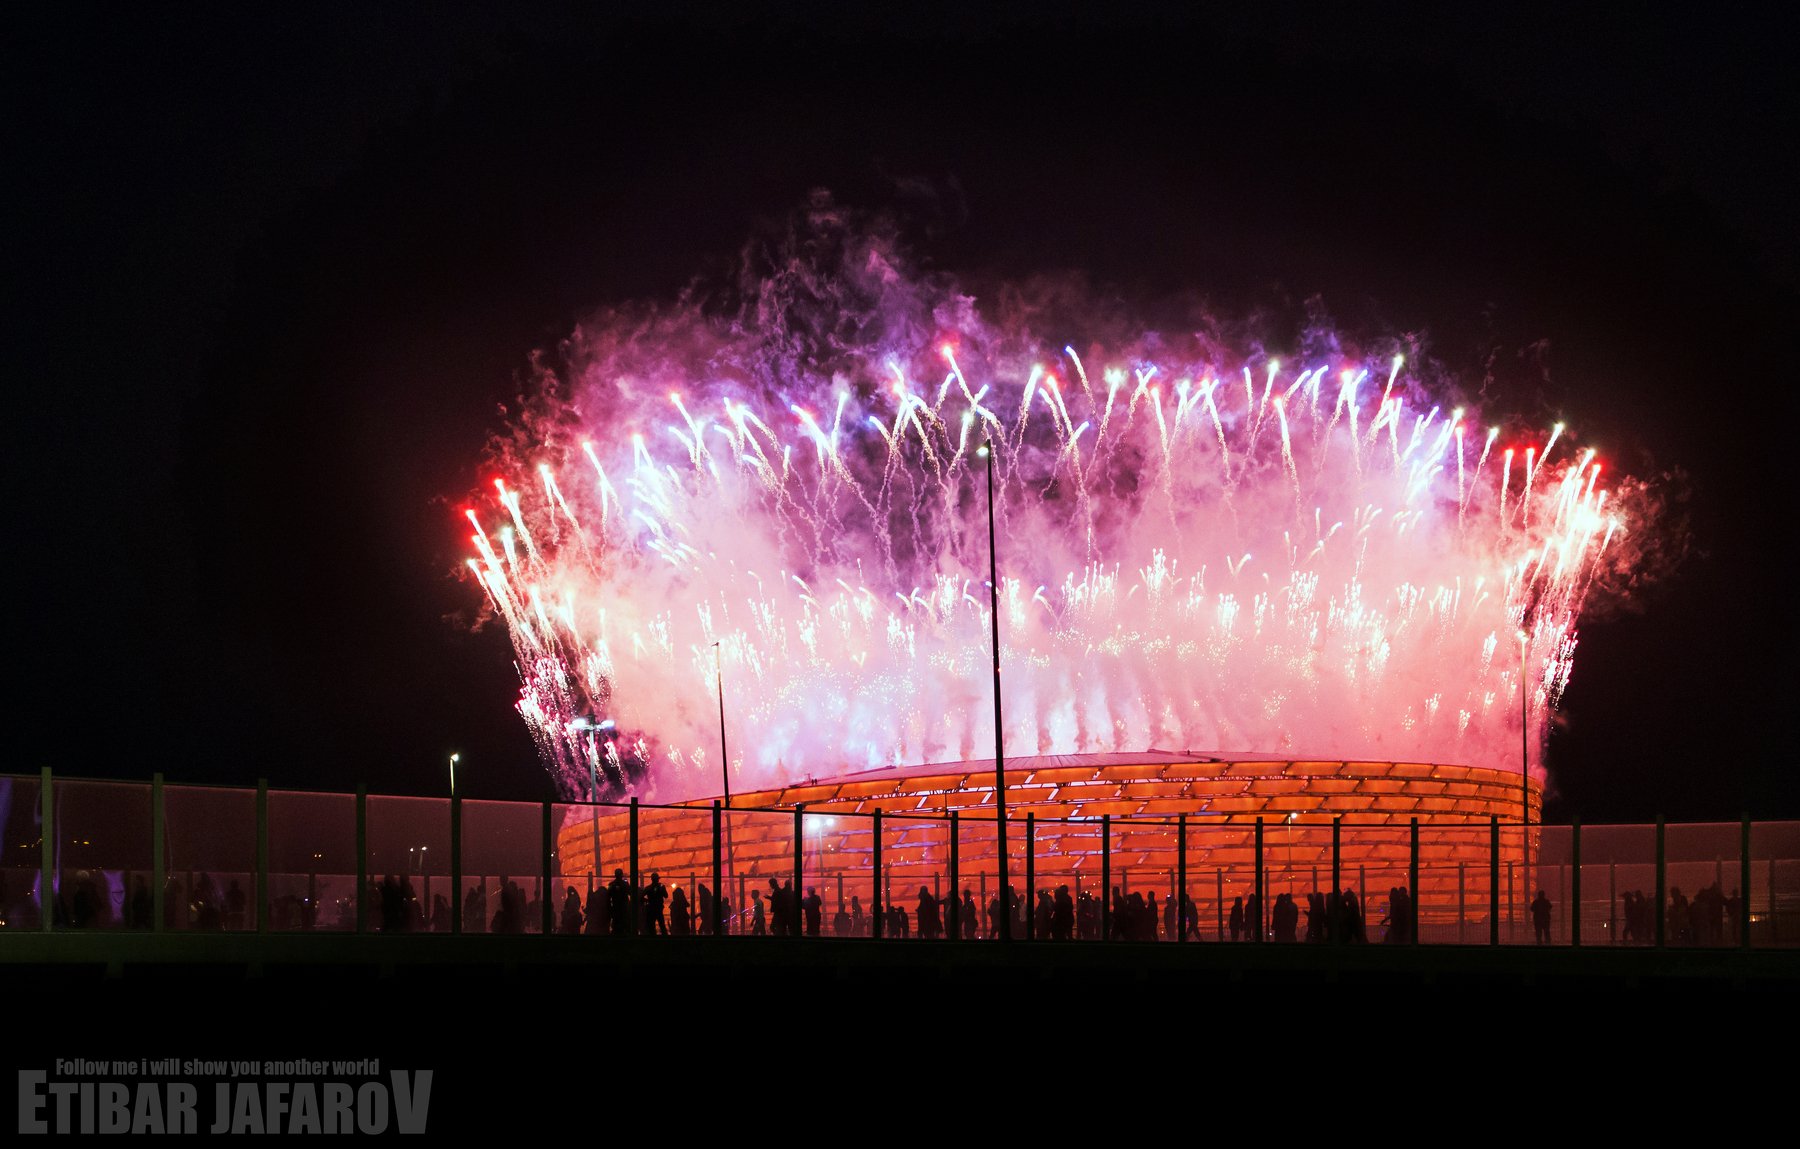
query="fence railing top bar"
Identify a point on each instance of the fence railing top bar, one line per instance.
(1273, 819)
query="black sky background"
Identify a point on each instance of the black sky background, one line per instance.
(275, 271)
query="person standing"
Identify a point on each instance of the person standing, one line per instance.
(815, 911)
(1540, 918)
(655, 894)
(618, 904)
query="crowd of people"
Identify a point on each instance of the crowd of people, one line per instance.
(85, 899)
(1710, 918)
(1055, 915)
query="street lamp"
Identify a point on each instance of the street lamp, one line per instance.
(986, 452)
(595, 729)
(454, 758)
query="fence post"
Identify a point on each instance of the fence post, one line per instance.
(362, 859)
(1181, 922)
(46, 851)
(1412, 874)
(718, 899)
(159, 865)
(456, 877)
(262, 852)
(1256, 887)
(1105, 877)
(1575, 882)
(1744, 885)
(956, 922)
(796, 913)
(1494, 881)
(1662, 894)
(879, 910)
(1462, 908)
(1337, 858)
(545, 867)
(636, 904)
(1031, 876)
(1219, 904)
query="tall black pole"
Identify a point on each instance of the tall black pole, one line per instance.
(987, 453)
(724, 758)
(724, 766)
(1524, 766)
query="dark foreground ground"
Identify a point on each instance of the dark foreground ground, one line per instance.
(739, 1037)
(248, 961)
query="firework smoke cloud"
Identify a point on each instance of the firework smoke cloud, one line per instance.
(1204, 543)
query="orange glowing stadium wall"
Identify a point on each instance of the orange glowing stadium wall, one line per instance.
(1222, 800)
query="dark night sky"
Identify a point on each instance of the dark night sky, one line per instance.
(275, 274)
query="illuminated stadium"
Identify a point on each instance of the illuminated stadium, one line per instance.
(1068, 806)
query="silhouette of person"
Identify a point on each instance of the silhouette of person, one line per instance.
(1236, 920)
(618, 904)
(968, 925)
(655, 894)
(679, 921)
(778, 910)
(594, 921)
(1282, 918)
(141, 911)
(758, 924)
(1062, 915)
(814, 907)
(571, 913)
(1540, 918)
(930, 924)
(208, 915)
(857, 924)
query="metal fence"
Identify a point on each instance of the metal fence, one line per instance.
(156, 857)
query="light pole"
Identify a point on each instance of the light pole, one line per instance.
(1525, 764)
(594, 730)
(454, 758)
(725, 771)
(819, 846)
(1291, 854)
(724, 759)
(986, 451)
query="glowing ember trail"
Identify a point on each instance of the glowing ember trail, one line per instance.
(1323, 561)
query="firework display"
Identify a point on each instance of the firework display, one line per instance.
(1199, 546)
